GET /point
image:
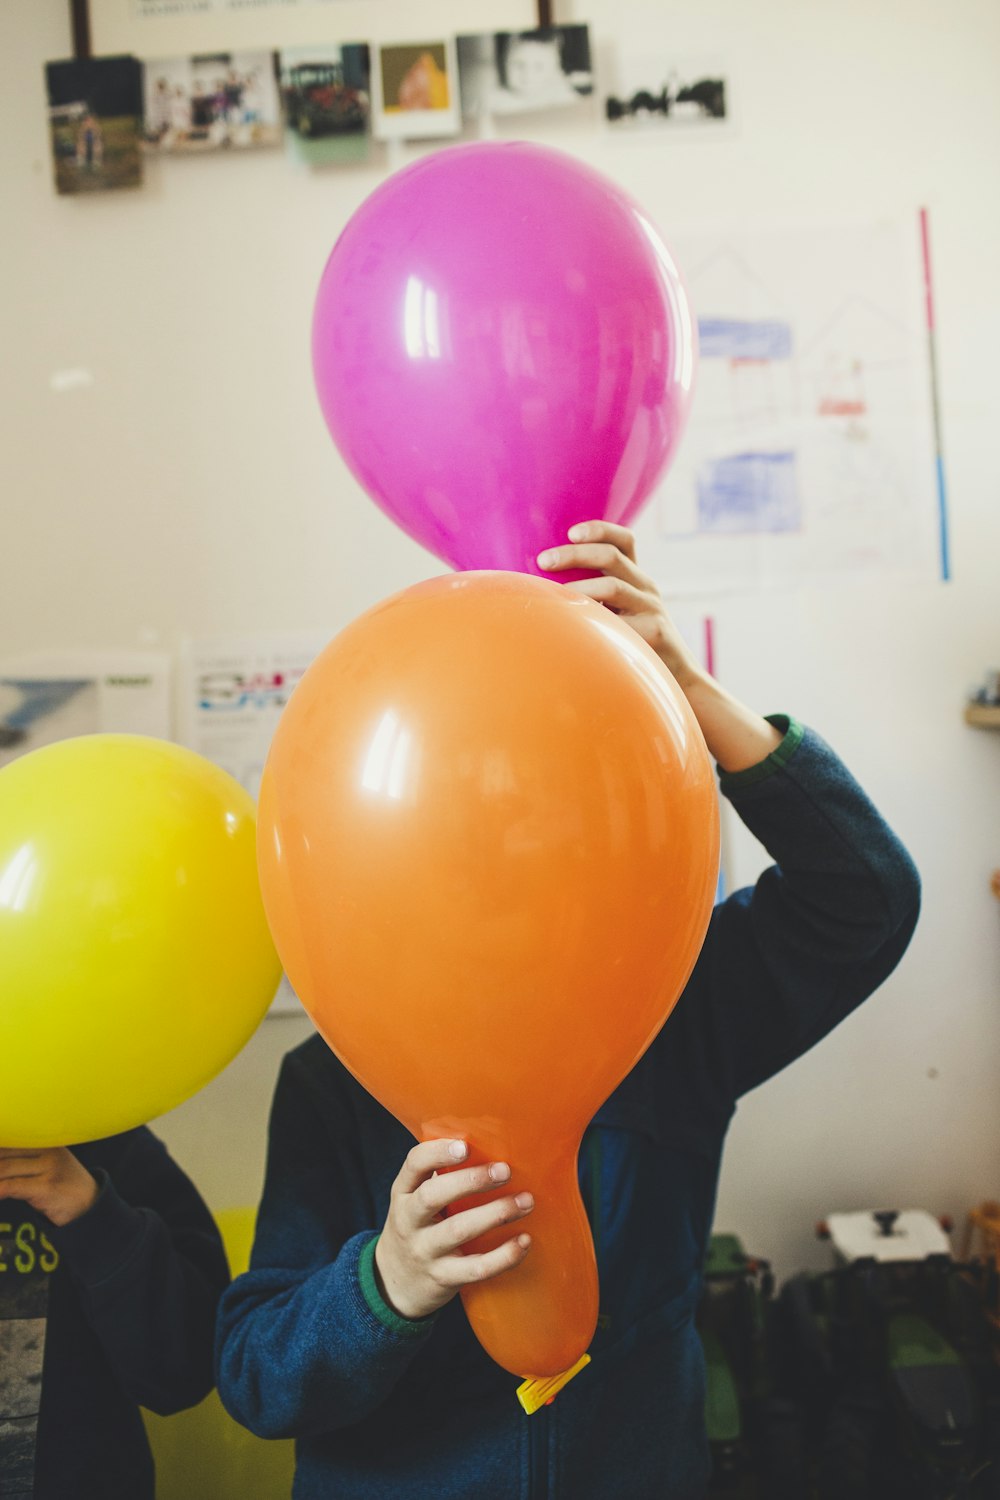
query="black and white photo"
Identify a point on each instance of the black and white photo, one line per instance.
(664, 92)
(516, 72)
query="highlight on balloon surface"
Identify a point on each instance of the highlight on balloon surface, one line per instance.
(135, 958)
(502, 347)
(488, 848)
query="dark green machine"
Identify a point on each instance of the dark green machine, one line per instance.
(890, 1353)
(754, 1429)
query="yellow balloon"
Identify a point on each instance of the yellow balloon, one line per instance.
(135, 959)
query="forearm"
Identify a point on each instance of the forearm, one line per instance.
(843, 885)
(788, 959)
(736, 736)
(150, 1301)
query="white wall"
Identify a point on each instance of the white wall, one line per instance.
(192, 489)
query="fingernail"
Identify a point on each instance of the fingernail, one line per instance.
(524, 1240)
(546, 559)
(458, 1149)
(524, 1201)
(577, 533)
(499, 1172)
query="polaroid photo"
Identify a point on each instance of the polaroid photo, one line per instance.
(415, 90)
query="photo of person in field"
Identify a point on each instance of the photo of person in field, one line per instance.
(95, 120)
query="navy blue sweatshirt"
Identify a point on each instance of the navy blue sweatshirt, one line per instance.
(112, 1312)
(385, 1407)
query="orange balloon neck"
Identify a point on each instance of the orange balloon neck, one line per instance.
(549, 1302)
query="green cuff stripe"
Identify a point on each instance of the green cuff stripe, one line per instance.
(377, 1304)
(735, 781)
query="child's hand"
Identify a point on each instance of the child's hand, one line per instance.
(736, 736)
(418, 1258)
(51, 1181)
(624, 589)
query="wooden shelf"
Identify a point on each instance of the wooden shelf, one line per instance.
(983, 715)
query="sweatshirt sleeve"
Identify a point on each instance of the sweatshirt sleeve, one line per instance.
(305, 1343)
(823, 927)
(150, 1267)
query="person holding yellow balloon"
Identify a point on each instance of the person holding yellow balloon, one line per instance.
(484, 875)
(135, 961)
(115, 1267)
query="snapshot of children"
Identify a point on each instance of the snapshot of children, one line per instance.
(111, 1269)
(347, 1333)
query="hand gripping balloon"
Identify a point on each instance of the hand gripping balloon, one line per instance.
(488, 845)
(502, 346)
(135, 959)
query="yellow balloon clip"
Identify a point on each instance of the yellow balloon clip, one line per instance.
(535, 1393)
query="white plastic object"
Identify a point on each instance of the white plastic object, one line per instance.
(913, 1235)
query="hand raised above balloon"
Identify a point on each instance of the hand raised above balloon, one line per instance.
(624, 589)
(419, 1260)
(51, 1181)
(736, 736)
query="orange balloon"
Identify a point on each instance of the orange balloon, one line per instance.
(488, 847)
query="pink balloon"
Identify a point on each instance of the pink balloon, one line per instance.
(502, 346)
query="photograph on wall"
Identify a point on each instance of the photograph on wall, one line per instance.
(210, 103)
(514, 72)
(668, 93)
(415, 91)
(326, 92)
(95, 121)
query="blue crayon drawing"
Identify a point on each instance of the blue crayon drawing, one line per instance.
(749, 492)
(735, 338)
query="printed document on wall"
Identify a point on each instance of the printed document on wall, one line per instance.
(232, 695)
(57, 695)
